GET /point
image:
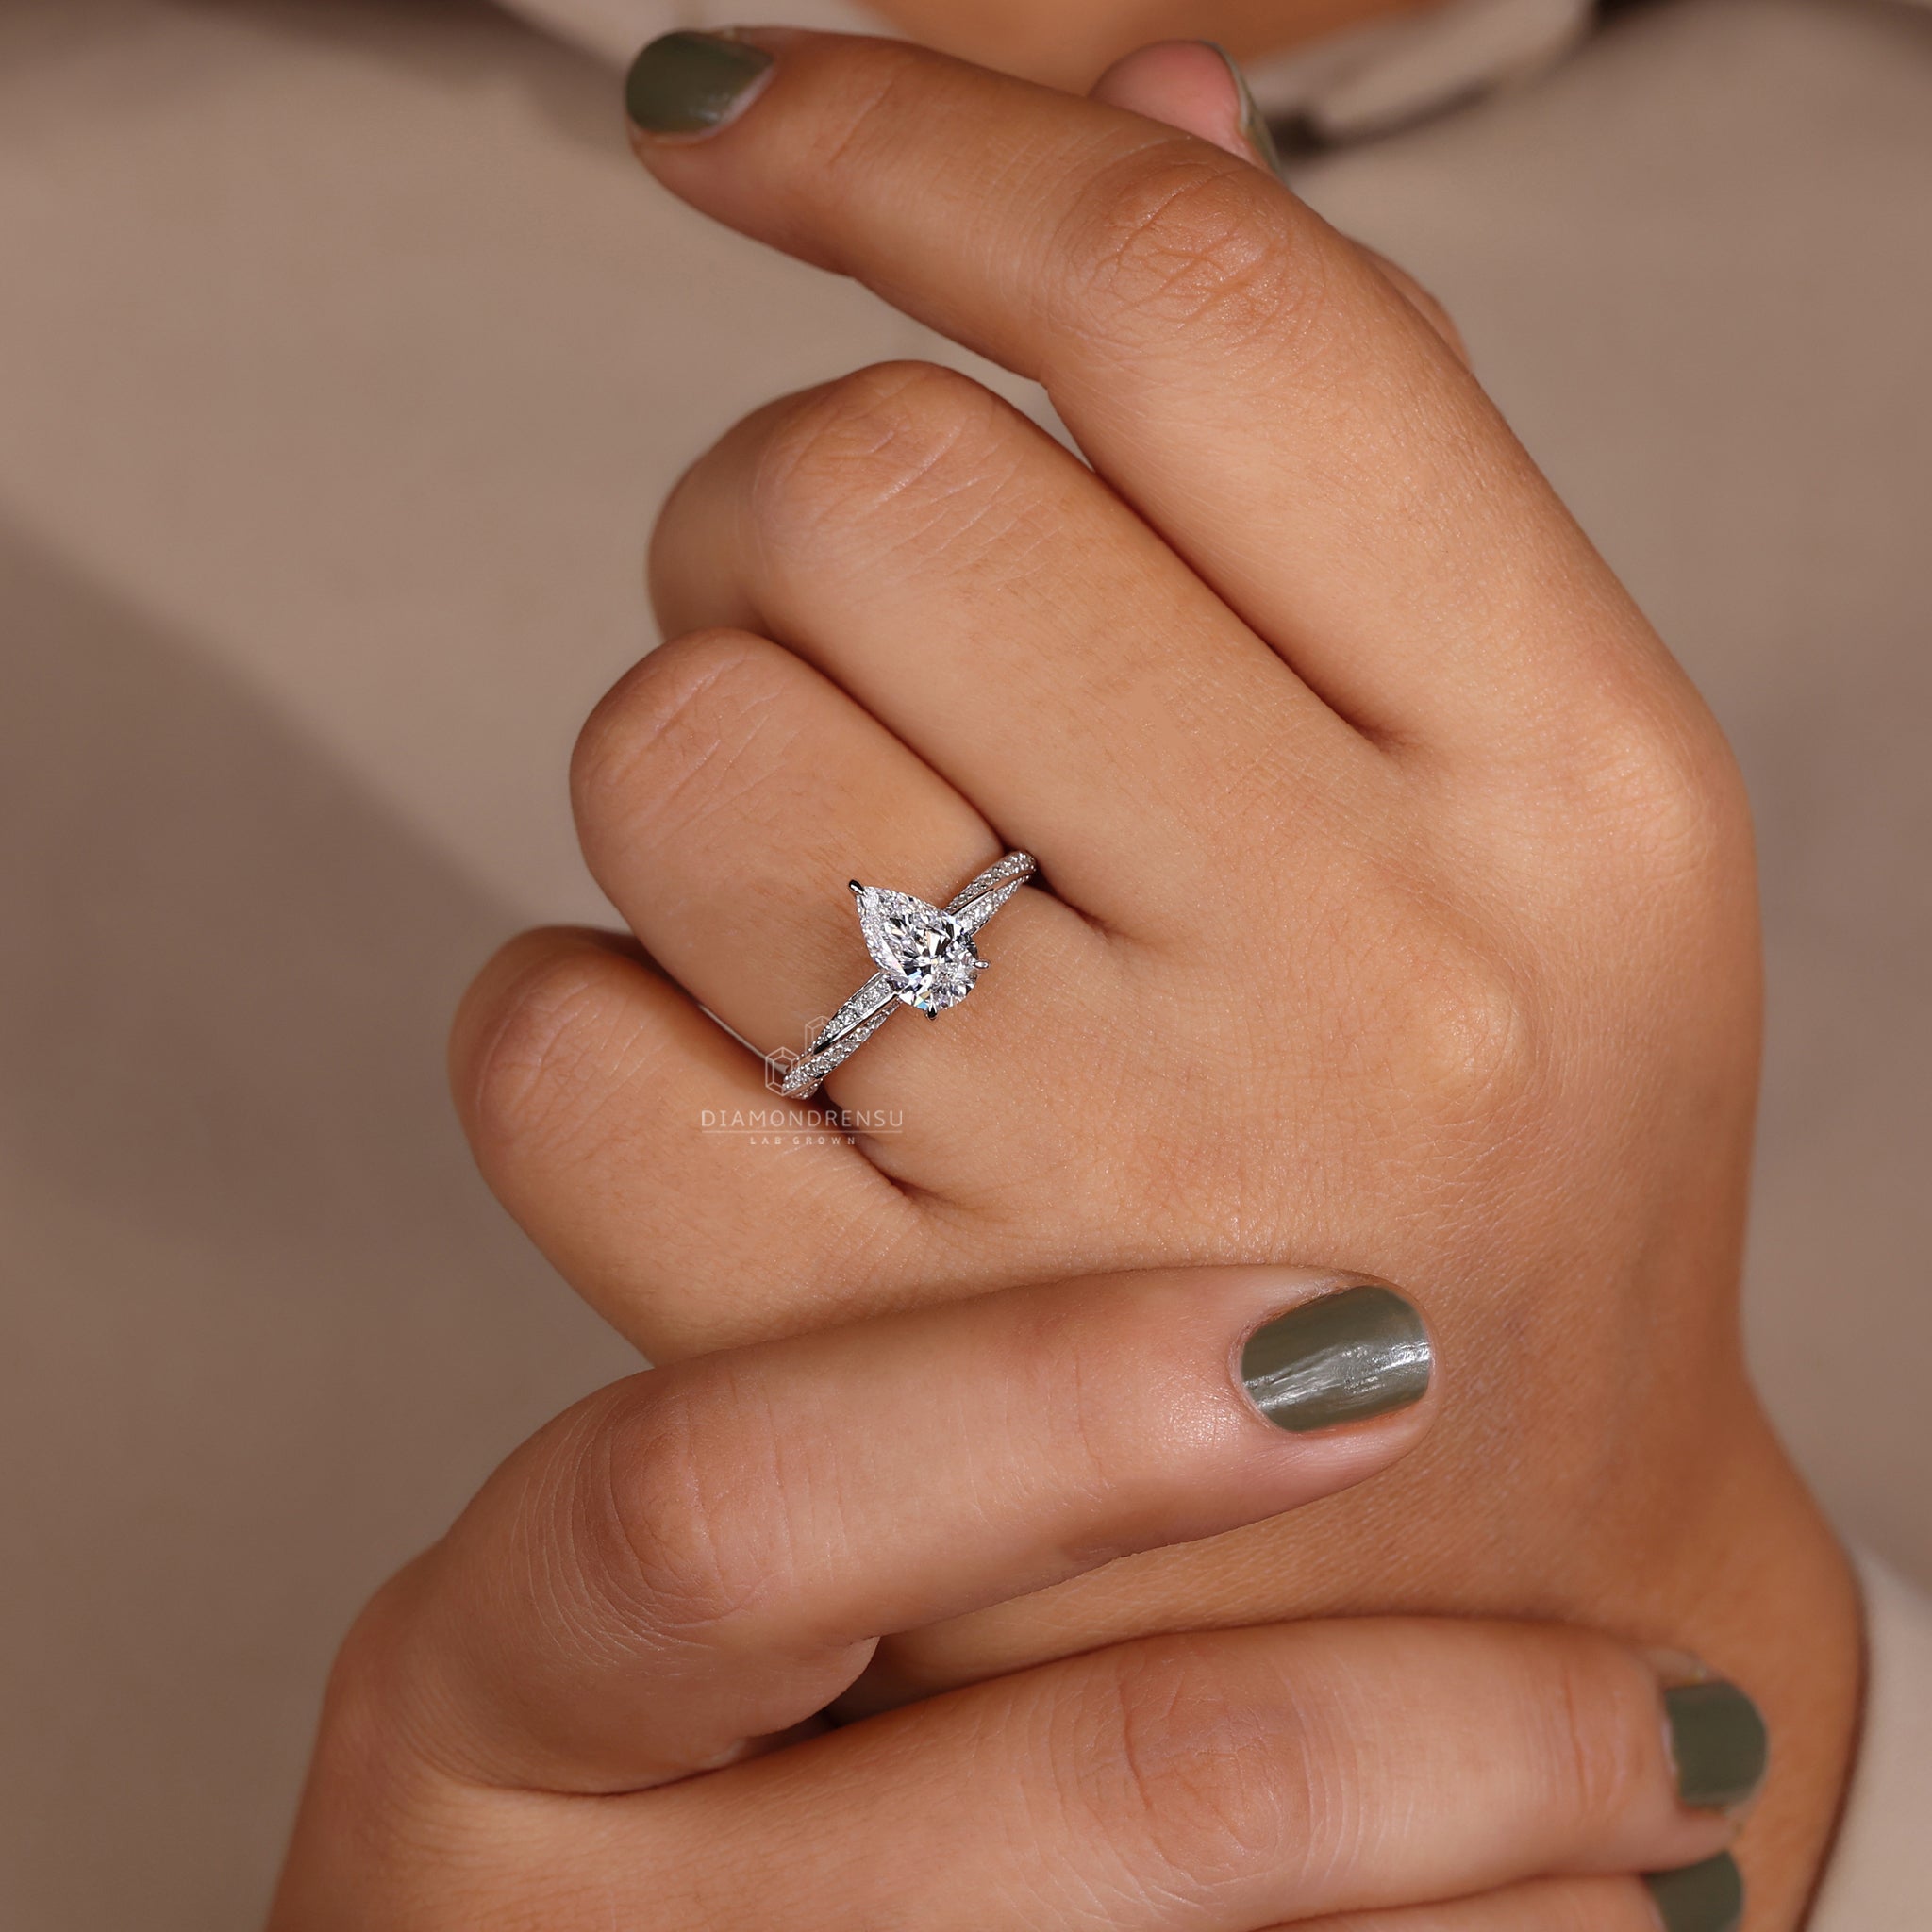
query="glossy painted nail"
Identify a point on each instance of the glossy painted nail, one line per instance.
(687, 83)
(1253, 124)
(1341, 1357)
(1700, 1898)
(1717, 1743)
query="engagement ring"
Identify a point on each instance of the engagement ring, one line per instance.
(926, 957)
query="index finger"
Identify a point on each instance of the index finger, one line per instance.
(1233, 365)
(706, 1555)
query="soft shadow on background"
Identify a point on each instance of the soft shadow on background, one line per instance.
(263, 1329)
(345, 357)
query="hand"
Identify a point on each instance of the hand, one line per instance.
(598, 1696)
(1404, 916)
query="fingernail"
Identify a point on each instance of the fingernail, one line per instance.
(1338, 1358)
(1700, 1898)
(1717, 1743)
(1253, 124)
(686, 83)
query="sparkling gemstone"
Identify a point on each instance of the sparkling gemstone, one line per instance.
(929, 961)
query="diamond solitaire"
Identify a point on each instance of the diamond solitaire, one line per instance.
(931, 962)
(926, 958)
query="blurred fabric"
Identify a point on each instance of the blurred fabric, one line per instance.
(344, 356)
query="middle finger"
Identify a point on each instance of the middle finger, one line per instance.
(993, 604)
(725, 792)
(1246, 377)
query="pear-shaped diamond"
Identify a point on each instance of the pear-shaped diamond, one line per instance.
(930, 962)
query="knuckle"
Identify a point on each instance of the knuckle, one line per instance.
(1436, 313)
(1430, 1004)
(892, 452)
(674, 1531)
(547, 1051)
(1679, 801)
(1423, 301)
(1601, 1734)
(1464, 1032)
(384, 1732)
(1194, 1787)
(1192, 238)
(673, 739)
(1656, 791)
(883, 86)
(366, 1690)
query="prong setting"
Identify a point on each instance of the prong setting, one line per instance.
(928, 959)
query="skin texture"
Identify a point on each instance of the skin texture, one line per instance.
(601, 1688)
(1402, 922)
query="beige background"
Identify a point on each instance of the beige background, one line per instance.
(344, 356)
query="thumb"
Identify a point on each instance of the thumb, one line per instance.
(1197, 86)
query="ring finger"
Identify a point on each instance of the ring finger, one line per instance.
(724, 793)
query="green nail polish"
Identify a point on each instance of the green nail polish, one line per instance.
(1338, 1358)
(1700, 1898)
(1717, 1743)
(1253, 124)
(686, 83)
